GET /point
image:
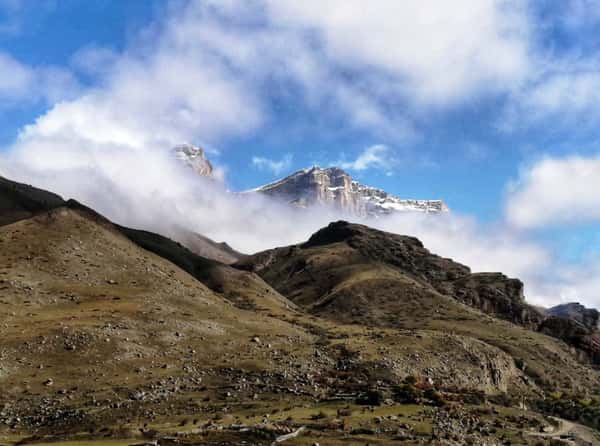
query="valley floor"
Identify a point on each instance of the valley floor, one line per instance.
(333, 423)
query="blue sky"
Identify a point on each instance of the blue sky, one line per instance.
(490, 105)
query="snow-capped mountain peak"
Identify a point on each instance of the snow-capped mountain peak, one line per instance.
(333, 186)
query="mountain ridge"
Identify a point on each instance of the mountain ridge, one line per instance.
(336, 255)
(334, 187)
(317, 186)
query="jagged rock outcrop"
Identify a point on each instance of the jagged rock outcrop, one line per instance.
(577, 326)
(574, 334)
(195, 158)
(588, 317)
(334, 187)
(494, 293)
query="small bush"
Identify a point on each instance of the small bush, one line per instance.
(407, 394)
(370, 398)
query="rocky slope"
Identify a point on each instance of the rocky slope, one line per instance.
(204, 246)
(356, 274)
(334, 187)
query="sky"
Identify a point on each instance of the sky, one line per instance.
(489, 105)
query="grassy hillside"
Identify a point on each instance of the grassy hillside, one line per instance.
(111, 333)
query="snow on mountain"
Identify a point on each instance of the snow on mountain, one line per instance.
(333, 186)
(195, 158)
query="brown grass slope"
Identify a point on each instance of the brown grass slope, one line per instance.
(88, 315)
(105, 329)
(356, 275)
(98, 332)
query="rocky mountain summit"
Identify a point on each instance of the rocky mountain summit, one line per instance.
(335, 187)
(195, 158)
(315, 186)
(576, 325)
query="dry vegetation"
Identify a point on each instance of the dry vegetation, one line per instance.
(103, 340)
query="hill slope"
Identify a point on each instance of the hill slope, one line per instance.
(113, 332)
(353, 274)
(344, 257)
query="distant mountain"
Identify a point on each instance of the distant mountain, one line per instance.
(195, 158)
(316, 186)
(335, 187)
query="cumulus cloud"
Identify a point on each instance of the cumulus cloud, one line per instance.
(207, 69)
(556, 191)
(378, 156)
(275, 166)
(15, 79)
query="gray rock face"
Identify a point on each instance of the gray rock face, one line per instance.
(334, 187)
(194, 157)
(576, 312)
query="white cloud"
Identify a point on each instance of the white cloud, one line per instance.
(15, 79)
(94, 60)
(427, 49)
(563, 82)
(22, 83)
(275, 166)
(378, 156)
(206, 69)
(556, 191)
(567, 94)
